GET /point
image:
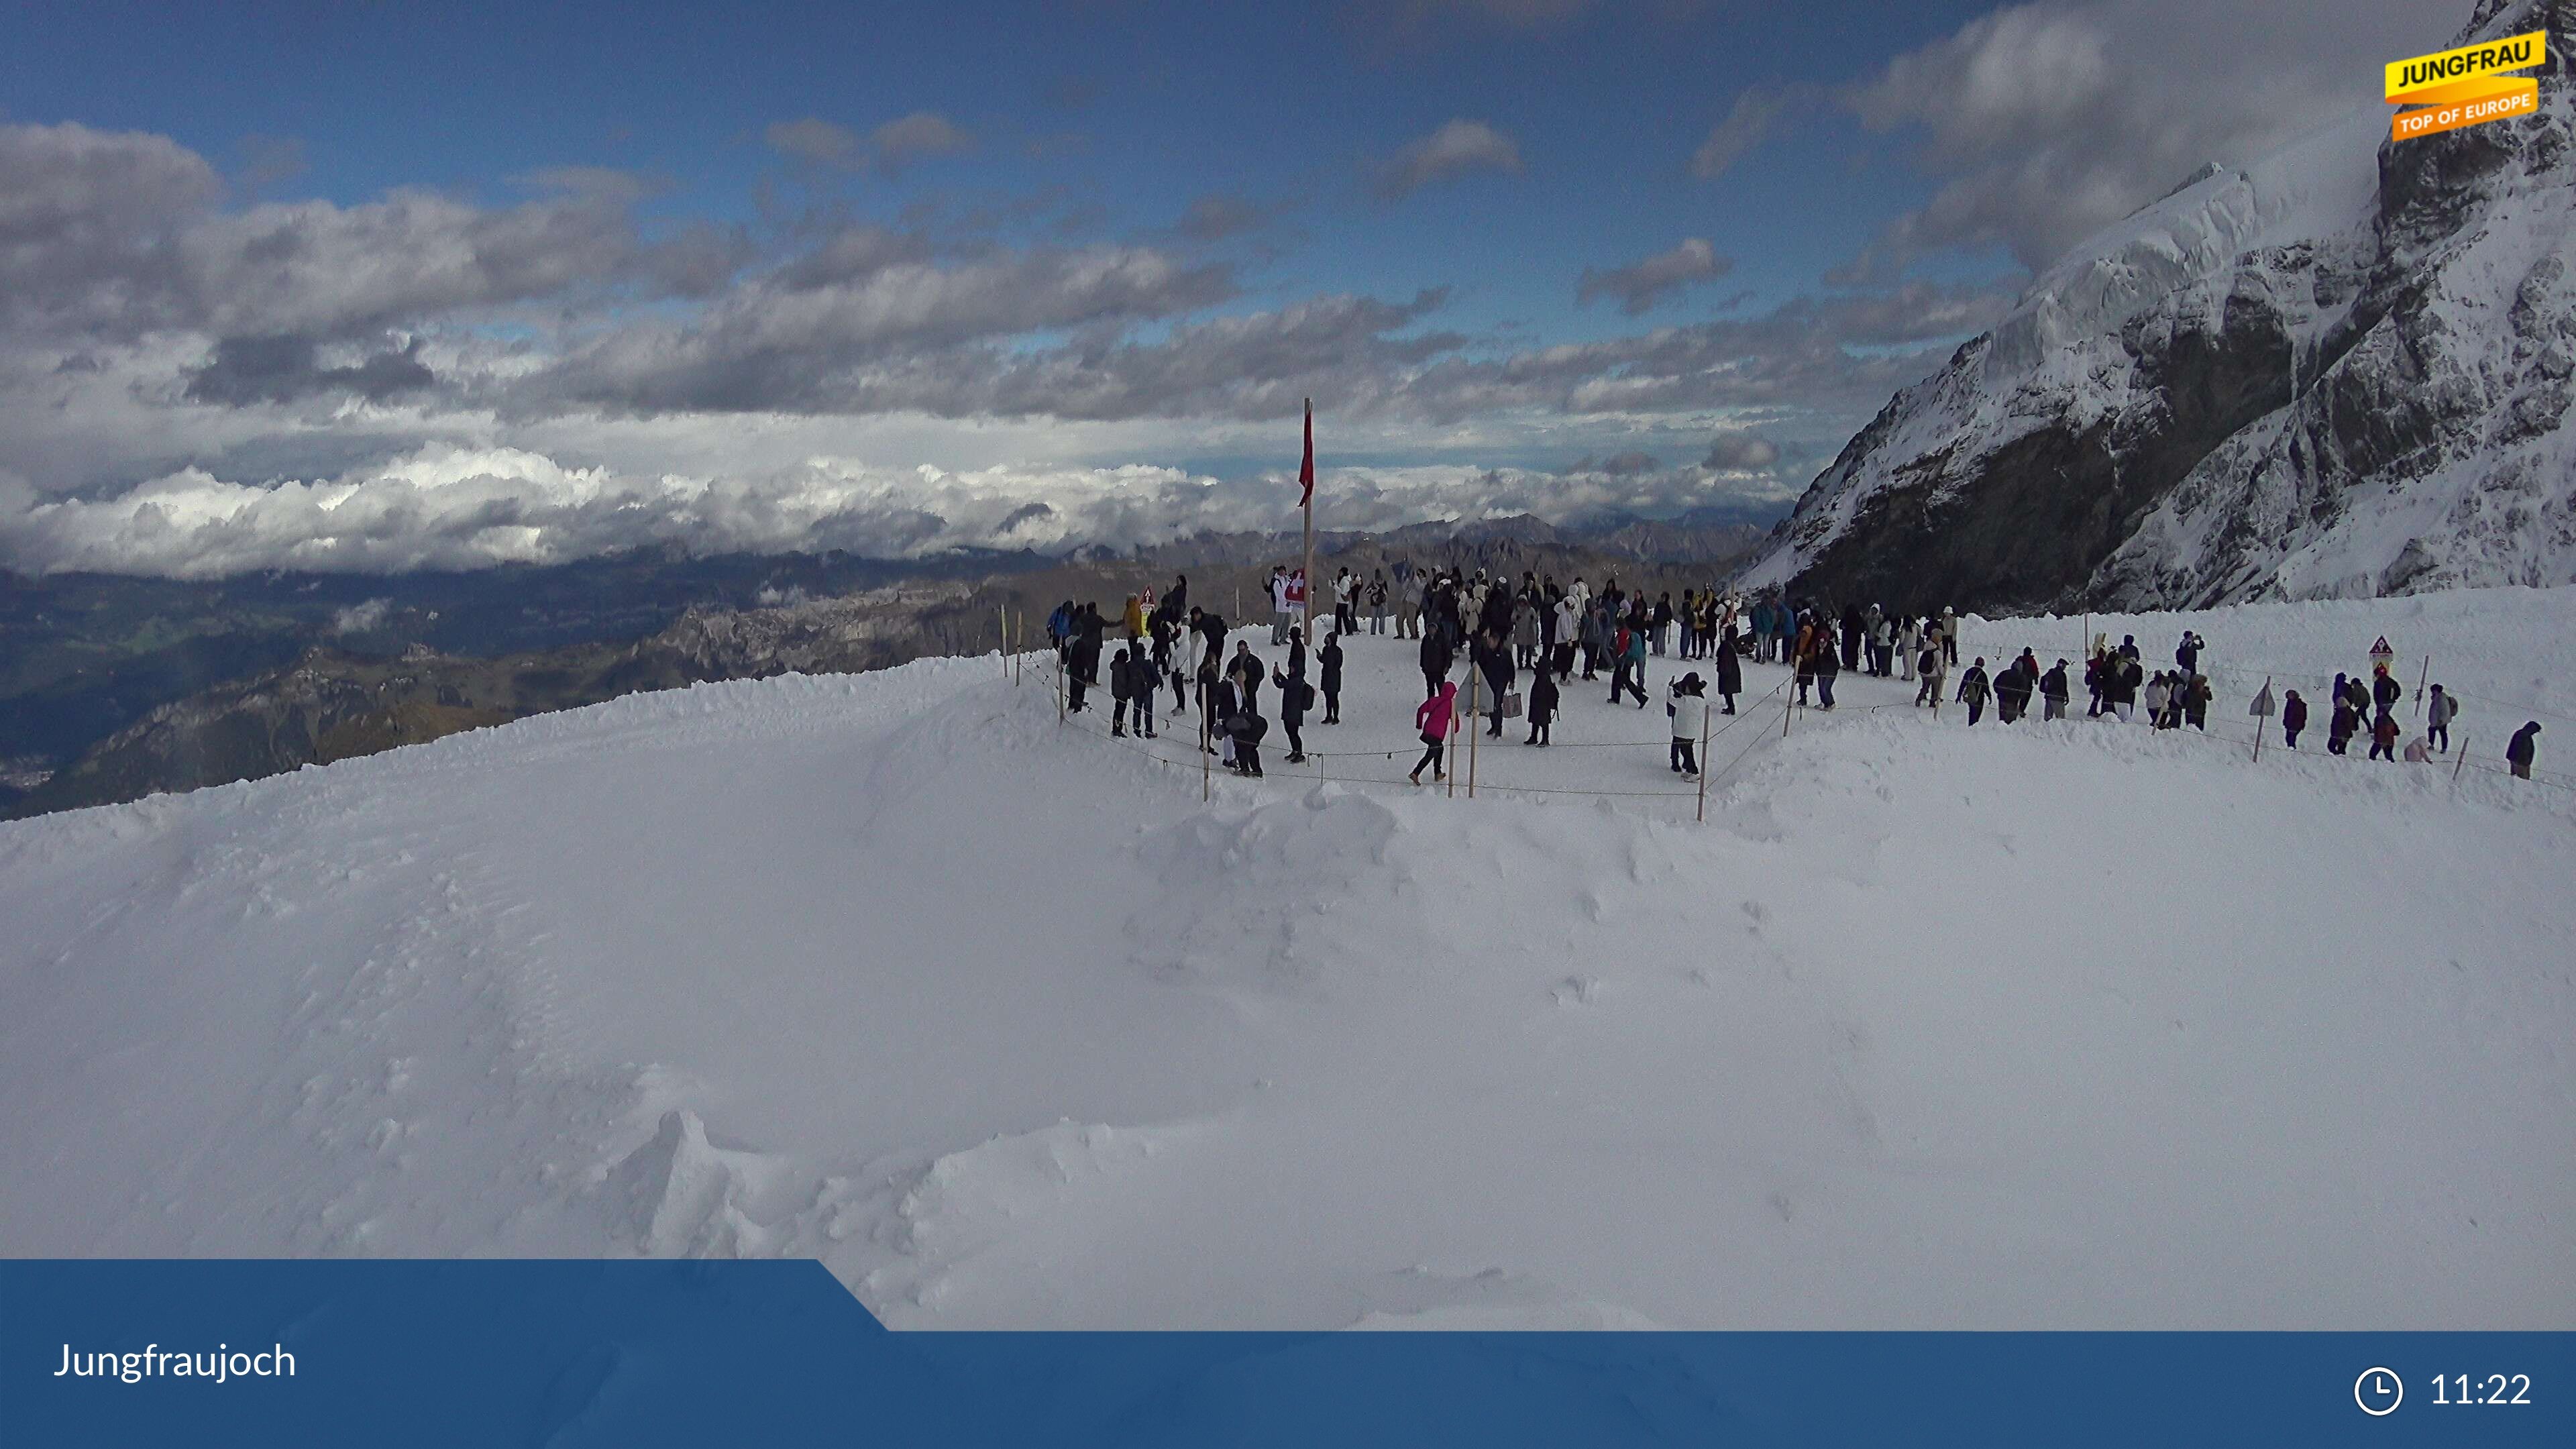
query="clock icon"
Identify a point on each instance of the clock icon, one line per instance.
(2378, 1391)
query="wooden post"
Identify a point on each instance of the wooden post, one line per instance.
(2261, 720)
(2419, 685)
(1059, 686)
(1475, 727)
(1003, 623)
(1703, 762)
(1204, 743)
(2462, 762)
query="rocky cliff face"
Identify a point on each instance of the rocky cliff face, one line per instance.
(2341, 371)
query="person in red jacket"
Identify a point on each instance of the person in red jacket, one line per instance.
(1432, 717)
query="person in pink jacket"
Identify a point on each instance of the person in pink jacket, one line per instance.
(1432, 717)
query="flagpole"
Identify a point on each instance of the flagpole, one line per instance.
(1309, 510)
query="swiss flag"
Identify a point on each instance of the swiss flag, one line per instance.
(1306, 470)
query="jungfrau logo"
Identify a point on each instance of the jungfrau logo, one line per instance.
(2466, 87)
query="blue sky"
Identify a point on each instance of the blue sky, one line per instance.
(673, 242)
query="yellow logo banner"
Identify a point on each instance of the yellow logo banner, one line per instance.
(2466, 87)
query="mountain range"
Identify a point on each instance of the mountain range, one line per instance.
(2339, 371)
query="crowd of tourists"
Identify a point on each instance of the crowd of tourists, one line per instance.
(1523, 640)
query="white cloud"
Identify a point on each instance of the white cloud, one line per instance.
(1642, 284)
(2046, 122)
(890, 147)
(1457, 149)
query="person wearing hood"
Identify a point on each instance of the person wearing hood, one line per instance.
(1851, 636)
(2339, 729)
(2440, 709)
(1330, 657)
(2524, 749)
(1122, 686)
(1730, 668)
(1432, 719)
(1688, 708)
(2195, 702)
(2053, 693)
(1542, 704)
(2294, 718)
(1930, 673)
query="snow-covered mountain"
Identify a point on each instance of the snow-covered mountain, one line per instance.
(2342, 371)
(2044, 1025)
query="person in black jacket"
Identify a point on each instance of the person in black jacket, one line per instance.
(1730, 669)
(1249, 727)
(1294, 692)
(1542, 705)
(2053, 693)
(2385, 692)
(2294, 718)
(1144, 681)
(2524, 748)
(1083, 667)
(1330, 656)
(1122, 684)
(1851, 637)
(1436, 660)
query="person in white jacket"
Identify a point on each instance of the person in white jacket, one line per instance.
(1689, 709)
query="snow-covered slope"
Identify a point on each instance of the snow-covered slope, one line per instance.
(2072, 1025)
(2341, 371)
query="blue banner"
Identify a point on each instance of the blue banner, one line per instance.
(699, 1354)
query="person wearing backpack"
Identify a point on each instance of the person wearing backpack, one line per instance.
(1122, 683)
(1542, 704)
(2053, 693)
(2383, 738)
(1630, 676)
(1973, 689)
(1431, 719)
(2440, 709)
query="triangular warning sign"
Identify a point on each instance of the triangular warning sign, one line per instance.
(2381, 647)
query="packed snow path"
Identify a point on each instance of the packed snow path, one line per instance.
(2073, 1026)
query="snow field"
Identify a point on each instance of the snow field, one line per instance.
(2043, 1026)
